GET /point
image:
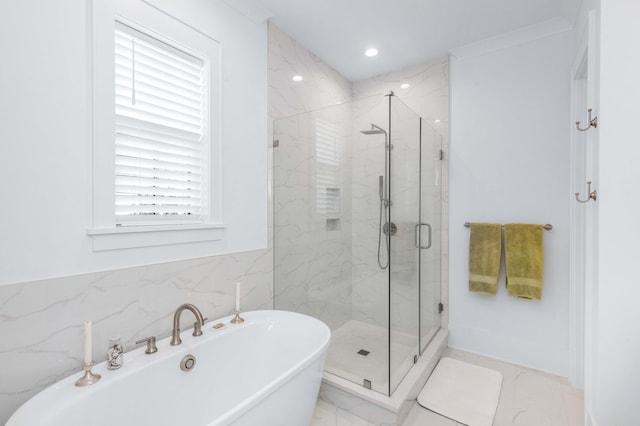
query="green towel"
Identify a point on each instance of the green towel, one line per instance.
(485, 247)
(524, 258)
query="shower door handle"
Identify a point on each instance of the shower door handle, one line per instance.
(417, 236)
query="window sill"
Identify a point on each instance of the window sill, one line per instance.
(147, 236)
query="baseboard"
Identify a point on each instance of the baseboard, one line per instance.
(507, 360)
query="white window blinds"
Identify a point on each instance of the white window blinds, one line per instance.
(328, 197)
(161, 145)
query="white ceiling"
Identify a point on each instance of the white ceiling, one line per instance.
(406, 32)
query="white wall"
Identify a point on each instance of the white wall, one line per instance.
(510, 163)
(617, 369)
(45, 157)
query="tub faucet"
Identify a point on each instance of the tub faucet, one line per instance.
(197, 326)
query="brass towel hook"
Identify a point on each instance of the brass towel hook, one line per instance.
(592, 194)
(593, 122)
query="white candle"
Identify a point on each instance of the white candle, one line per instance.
(87, 342)
(237, 296)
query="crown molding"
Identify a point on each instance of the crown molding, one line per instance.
(252, 9)
(514, 38)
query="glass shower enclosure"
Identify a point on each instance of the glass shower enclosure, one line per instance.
(357, 223)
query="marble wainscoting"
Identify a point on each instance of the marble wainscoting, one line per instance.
(42, 321)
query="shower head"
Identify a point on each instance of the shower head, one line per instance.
(375, 130)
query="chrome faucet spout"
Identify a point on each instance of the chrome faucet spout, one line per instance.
(197, 326)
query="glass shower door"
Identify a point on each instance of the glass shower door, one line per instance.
(404, 269)
(369, 323)
(430, 232)
(327, 246)
(356, 193)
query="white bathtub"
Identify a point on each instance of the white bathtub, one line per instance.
(265, 371)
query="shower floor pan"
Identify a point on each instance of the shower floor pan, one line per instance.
(345, 369)
(358, 352)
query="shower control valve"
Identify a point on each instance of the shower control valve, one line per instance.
(390, 228)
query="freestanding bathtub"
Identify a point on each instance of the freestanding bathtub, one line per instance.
(265, 371)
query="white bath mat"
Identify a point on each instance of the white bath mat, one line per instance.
(463, 392)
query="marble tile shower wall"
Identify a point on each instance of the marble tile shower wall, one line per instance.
(370, 290)
(428, 96)
(42, 321)
(312, 260)
(312, 265)
(323, 87)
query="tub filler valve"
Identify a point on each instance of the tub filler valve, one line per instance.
(151, 345)
(197, 326)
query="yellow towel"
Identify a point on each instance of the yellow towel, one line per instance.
(485, 247)
(524, 258)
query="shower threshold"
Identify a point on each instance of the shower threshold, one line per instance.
(375, 407)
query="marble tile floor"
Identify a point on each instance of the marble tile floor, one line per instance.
(528, 398)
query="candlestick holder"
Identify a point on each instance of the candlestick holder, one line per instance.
(89, 377)
(237, 319)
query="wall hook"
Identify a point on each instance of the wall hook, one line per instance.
(592, 194)
(593, 122)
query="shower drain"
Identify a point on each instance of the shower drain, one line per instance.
(363, 352)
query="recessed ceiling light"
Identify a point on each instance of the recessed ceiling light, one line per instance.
(405, 86)
(437, 120)
(372, 51)
(297, 78)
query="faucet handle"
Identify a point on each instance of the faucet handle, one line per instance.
(197, 327)
(151, 344)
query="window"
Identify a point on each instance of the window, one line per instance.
(157, 163)
(328, 196)
(161, 137)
